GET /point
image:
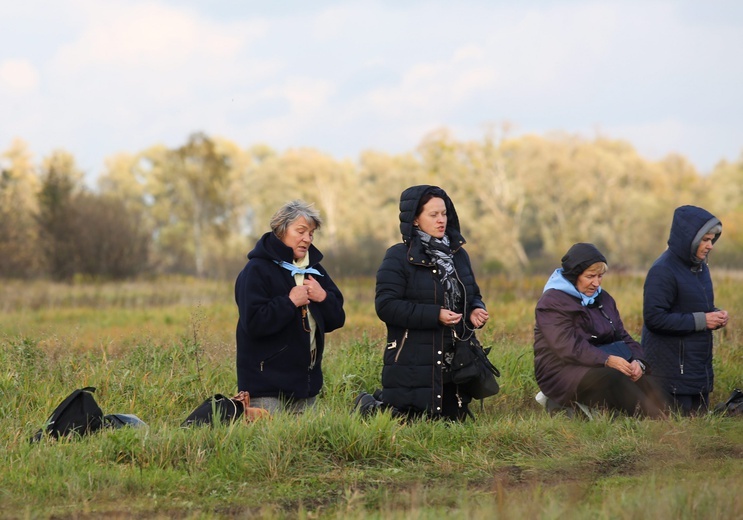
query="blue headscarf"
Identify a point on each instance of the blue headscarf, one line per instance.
(559, 282)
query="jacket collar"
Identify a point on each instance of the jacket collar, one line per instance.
(417, 253)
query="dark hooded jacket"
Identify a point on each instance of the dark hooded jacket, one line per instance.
(409, 297)
(273, 348)
(677, 294)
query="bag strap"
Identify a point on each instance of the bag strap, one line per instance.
(223, 398)
(234, 405)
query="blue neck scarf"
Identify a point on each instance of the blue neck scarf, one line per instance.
(293, 269)
(558, 281)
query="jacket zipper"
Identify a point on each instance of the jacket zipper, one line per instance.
(402, 344)
(269, 358)
(681, 357)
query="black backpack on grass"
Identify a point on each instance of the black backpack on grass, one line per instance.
(78, 414)
(226, 410)
(733, 406)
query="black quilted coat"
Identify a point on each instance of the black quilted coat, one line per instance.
(409, 296)
(677, 294)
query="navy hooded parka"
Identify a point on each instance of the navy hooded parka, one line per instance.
(677, 294)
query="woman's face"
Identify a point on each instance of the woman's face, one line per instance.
(705, 246)
(432, 219)
(589, 281)
(299, 236)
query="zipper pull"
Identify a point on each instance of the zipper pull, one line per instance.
(459, 400)
(682, 368)
(262, 366)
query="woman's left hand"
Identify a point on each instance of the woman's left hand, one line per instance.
(315, 292)
(478, 317)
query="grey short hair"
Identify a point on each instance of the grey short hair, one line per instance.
(290, 212)
(716, 229)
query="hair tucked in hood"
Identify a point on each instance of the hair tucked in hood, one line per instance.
(409, 200)
(690, 224)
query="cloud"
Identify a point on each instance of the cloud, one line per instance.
(342, 76)
(658, 138)
(151, 44)
(150, 35)
(18, 77)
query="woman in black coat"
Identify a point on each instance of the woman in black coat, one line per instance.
(426, 293)
(679, 311)
(286, 302)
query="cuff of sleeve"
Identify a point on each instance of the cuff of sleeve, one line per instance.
(700, 321)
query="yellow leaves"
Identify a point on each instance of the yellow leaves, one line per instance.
(518, 199)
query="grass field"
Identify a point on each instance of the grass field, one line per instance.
(158, 349)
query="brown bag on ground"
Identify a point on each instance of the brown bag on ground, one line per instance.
(250, 413)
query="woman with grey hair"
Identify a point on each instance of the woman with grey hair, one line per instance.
(679, 311)
(286, 303)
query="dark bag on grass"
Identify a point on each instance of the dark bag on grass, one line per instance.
(472, 370)
(216, 409)
(79, 413)
(618, 348)
(733, 406)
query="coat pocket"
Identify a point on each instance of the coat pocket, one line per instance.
(394, 348)
(402, 344)
(273, 356)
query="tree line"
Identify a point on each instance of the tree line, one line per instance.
(196, 209)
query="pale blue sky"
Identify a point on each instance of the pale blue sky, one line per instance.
(97, 77)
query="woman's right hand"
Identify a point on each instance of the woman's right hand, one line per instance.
(449, 318)
(299, 295)
(621, 364)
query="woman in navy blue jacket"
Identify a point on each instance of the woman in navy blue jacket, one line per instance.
(679, 311)
(426, 293)
(286, 302)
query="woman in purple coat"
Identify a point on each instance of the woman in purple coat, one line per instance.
(576, 322)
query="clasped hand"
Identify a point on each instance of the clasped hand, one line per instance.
(632, 369)
(478, 317)
(716, 320)
(309, 291)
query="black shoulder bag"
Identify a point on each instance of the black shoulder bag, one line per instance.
(472, 370)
